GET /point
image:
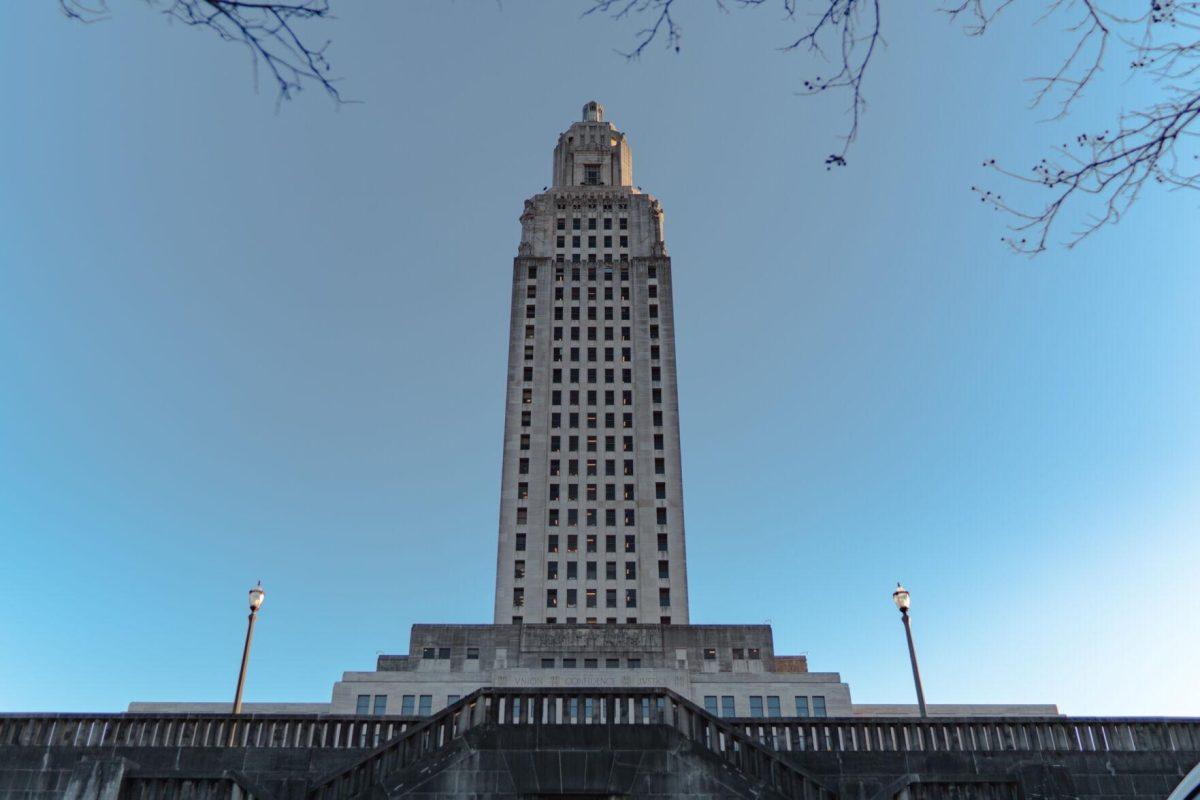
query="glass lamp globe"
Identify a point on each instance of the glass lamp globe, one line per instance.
(256, 596)
(900, 598)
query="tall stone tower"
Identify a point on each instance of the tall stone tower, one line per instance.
(591, 499)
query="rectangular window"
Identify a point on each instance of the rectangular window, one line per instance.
(660, 491)
(451, 699)
(552, 570)
(520, 543)
(630, 570)
(547, 663)
(773, 709)
(380, 705)
(660, 466)
(572, 594)
(590, 663)
(552, 543)
(364, 705)
(518, 597)
(635, 663)
(591, 598)
(568, 663)
(710, 654)
(728, 708)
(818, 705)
(610, 543)
(756, 705)
(518, 569)
(801, 706)
(472, 654)
(664, 569)
(662, 543)
(610, 570)
(660, 516)
(631, 598)
(710, 704)
(591, 571)
(664, 595)
(408, 705)
(572, 570)
(754, 654)
(425, 707)
(630, 540)
(610, 598)
(739, 653)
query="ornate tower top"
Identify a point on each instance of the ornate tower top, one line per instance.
(593, 112)
(592, 152)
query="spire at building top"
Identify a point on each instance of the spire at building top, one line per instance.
(592, 152)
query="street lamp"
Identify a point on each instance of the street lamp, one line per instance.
(256, 599)
(902, 600)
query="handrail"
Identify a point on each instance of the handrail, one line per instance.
(974, 734)
(576, 706)
(311, 731)
(785, 734)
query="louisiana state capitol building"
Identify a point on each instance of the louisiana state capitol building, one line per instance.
(591, 500)
(591, 563)
(592, 681)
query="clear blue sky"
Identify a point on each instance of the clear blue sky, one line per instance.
(236, 344)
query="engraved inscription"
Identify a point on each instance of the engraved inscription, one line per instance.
(591, 639)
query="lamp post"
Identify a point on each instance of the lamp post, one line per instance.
(256, 599)
(902, 600)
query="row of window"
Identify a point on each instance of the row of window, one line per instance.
(577, 222)
(739, 653)
(607, 271)
(364, 706)
(591, 598)
(443, 653)
(593, 375)
(592, 491)
(576, 313)
(592, 663)
(520, 543)
(590, 572)
(560, 242)
(593, 332)
(591, 517)
(728, 706)
(556, 354)
(591, 419)
(593, 294)
(410, 704)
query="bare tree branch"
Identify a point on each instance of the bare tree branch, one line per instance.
(1099, 176)
(268, 29)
